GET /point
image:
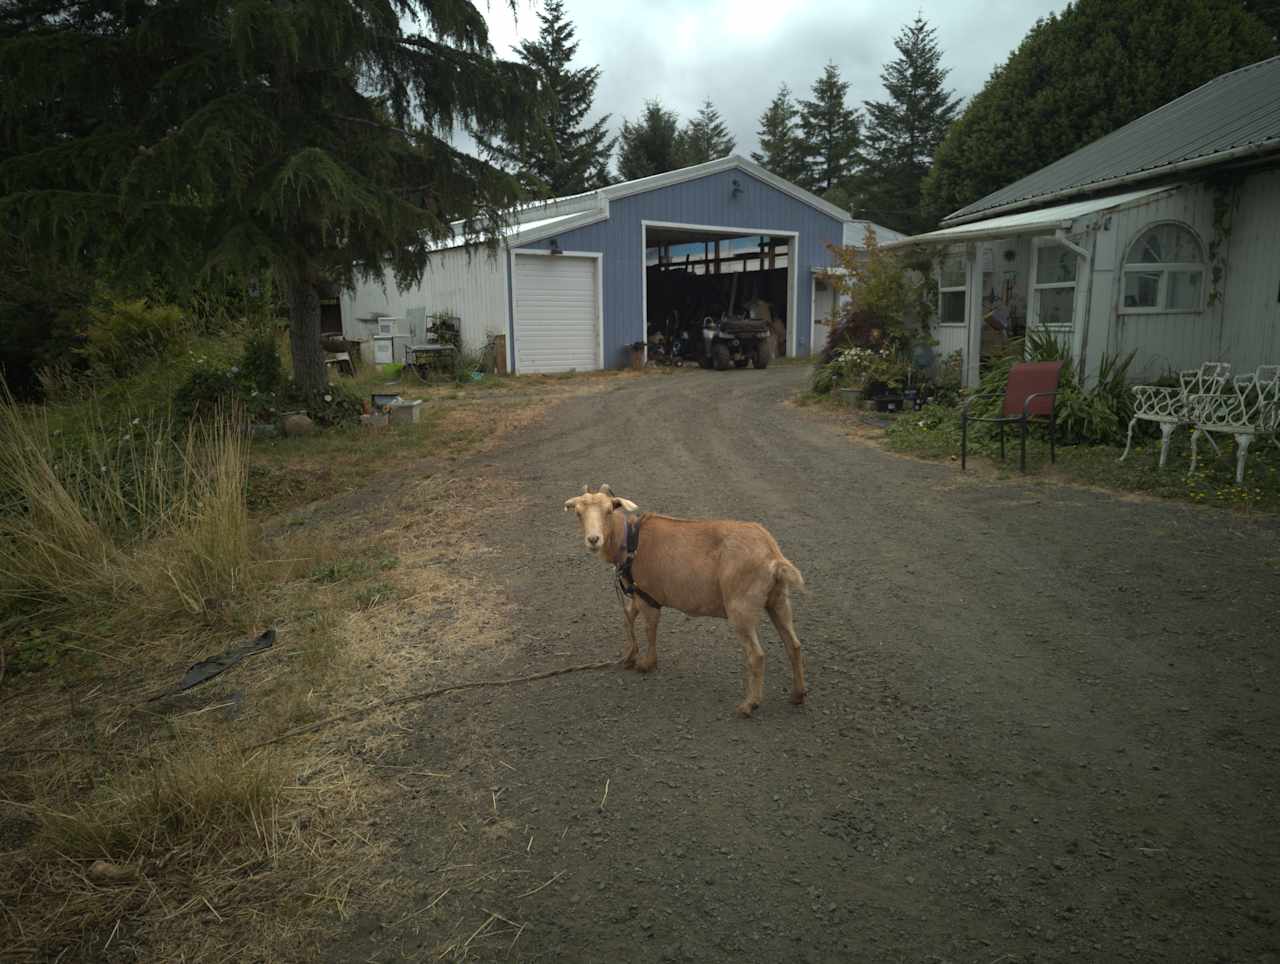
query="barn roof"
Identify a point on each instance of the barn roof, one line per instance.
(1234, 116)
(539, 219)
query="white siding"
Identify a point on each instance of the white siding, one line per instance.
(471, 285)
(951, 338)
(1166, 340)
(824, 306)
(1243, 327)
(1251, 293)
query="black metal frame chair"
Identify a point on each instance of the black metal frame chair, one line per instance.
(1020, 407)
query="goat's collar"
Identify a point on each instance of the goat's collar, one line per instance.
(627, 555)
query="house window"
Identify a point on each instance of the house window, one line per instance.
(1164, 271)
(1053, 290)
(951, 291)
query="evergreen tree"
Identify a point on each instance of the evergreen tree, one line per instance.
(903, 133)
(562, 155)
(1079, 75)
(198, 138)
(704, 138)
(649, 145)
(1268, 11)
(780, 149)
(830, 132)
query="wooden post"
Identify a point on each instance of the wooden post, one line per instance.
(717, 256)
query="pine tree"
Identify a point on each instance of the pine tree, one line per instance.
(1081, 74)
(563, 155)
(903, 133)
(704, 138)
(649, 145)
(199, 138)
(780, 149)
(1268, 11)
(830, 132)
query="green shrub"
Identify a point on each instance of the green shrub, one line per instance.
(824, 379)
(261, 364)
(206, 388)
(331, 406)
(124, 335)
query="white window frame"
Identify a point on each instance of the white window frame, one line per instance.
(963, 289)
(1163, 268)
(1033, 303)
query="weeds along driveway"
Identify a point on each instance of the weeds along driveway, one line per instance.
(1042, 724)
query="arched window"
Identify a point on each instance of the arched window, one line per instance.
(1164, 271)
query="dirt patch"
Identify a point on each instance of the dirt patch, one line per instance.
(1042, 722)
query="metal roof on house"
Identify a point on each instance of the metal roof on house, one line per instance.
(1233, 116)
(1039, 221)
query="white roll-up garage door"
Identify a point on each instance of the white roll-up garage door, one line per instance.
(557, 317)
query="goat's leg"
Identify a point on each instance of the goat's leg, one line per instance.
(630, 609)
(647, 662)
(753, 664)
(780, 614)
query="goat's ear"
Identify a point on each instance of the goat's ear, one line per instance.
(625, 504)
(570, 503)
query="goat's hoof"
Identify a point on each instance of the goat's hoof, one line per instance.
(745, 709)
(797, 696)
(646, 665)
(628, 662)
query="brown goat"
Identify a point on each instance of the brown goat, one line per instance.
(730, 570)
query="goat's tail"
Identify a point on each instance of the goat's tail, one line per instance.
(784, 571)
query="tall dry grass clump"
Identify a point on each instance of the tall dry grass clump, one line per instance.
(128, 526)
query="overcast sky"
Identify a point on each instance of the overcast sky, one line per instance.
(737, 52)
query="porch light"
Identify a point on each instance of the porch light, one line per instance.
(555, 246)
(737, 188)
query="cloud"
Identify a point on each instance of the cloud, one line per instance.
(737, 52)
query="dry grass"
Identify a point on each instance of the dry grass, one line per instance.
(129, 527)
(215, 854)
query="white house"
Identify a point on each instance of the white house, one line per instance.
(1161, 238)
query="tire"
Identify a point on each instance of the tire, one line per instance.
(761, 358)
(720, 357)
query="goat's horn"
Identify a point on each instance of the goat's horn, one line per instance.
(586, 490)
(604, 489)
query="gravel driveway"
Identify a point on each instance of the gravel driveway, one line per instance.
(1043, 724)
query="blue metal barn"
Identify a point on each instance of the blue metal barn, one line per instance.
(568, 285)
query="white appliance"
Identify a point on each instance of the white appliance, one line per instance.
(387, 343)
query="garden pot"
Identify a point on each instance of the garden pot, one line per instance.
(889, 403)
(852, 396)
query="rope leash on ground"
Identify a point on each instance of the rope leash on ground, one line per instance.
(430, 694)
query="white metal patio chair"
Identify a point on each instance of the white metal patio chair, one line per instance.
(1251, 409)
(1167, 406)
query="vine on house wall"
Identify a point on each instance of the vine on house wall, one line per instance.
(1226, 199)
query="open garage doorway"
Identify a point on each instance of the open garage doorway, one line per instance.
(739, 283)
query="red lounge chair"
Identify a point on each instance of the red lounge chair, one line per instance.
(1031, 392)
